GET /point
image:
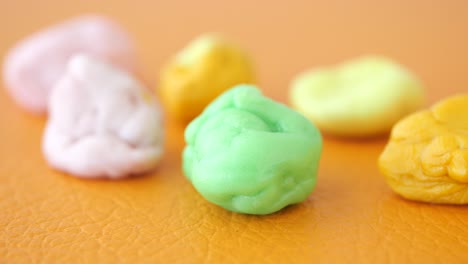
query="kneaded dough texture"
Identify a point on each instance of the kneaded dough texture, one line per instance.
(102, 122)
(250, 154)
(359, 98)
(207, 67)
(34, 65)
(426, 158)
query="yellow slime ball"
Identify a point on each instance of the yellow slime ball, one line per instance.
(359, 98)
(426, 158)
(203, 70)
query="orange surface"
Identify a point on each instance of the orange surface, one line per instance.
(352, 217)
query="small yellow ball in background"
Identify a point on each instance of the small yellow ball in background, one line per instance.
(207, 67)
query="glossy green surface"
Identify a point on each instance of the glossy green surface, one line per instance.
(250, 154)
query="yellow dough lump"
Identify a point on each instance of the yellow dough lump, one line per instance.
(359, 98)
(202, 71)
(426, 158)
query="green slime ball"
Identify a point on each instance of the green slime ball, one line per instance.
(250, 154)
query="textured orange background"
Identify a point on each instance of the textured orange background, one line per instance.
(352, 216)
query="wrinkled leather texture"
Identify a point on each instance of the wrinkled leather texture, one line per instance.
(351, 217)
